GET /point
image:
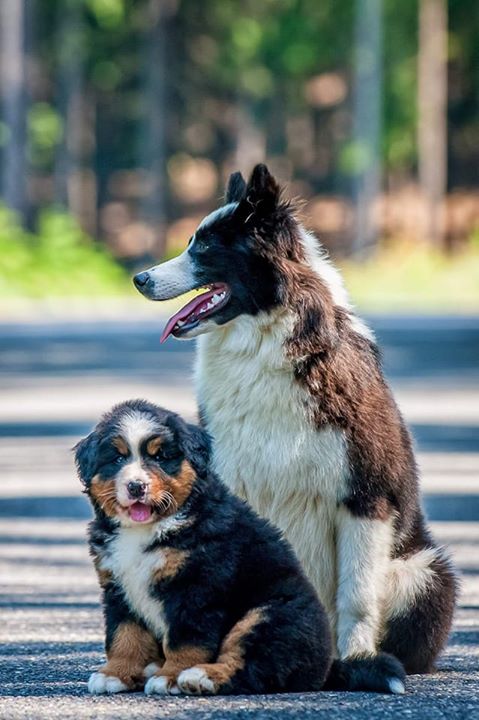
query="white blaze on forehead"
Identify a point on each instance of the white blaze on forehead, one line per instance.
(135, 427)
(218, 214)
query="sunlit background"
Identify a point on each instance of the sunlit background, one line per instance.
(121, 120)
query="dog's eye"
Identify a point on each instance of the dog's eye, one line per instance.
(119, 459)
(201, 244)
(166, 453)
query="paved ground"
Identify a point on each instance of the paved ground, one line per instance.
(55, 379)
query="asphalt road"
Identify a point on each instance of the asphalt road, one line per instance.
(55, 380)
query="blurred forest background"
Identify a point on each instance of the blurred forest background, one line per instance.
(121, 120)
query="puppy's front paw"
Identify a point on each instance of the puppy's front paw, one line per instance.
(151, 670)
(161, 685)
(195, 681)
(100, 684)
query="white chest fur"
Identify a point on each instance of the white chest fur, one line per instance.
(127, 560)
(266, 449)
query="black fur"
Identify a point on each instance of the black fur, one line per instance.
(375, 673)
(235, 562)
(86, 454)
(236, 188)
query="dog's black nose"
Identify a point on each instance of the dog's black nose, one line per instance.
(141, 279)
(136, 489)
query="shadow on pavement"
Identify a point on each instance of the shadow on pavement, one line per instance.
(458, 508)
(451, 508)
(445, 438)
(46, 508)
(47, 668)
(412, 347)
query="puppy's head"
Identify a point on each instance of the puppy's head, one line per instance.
(141, 462)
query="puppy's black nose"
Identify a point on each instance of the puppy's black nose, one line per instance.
(141, 279)
(136, 489)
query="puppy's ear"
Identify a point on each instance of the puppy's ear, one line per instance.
(236, 188)
(194, 442)
(86, 455)
(262, 192)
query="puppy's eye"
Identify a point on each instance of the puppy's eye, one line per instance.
(166, 453)
(119, 459)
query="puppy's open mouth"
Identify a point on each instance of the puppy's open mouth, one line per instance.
(197, 310)
(140, 512)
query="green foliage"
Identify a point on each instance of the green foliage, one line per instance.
(45, 132)
(59, 259)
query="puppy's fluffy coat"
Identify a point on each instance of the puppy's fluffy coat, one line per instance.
(200, 595)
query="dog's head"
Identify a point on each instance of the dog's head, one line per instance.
(236, 252)
(141, 462)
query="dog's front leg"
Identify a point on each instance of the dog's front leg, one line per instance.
(132, 651)
(363, 553)
(193, 638)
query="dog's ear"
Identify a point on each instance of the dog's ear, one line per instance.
(194, 442)
(86, 455)
(262, 192)
(236, 188)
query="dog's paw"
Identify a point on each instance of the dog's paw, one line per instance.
(381, 673)
(161, 685)
(151, 670)
(100, 684)
(195, 681)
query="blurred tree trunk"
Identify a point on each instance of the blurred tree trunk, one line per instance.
(75, 181)
(432, 105)
(159, 52)
(68, 24)
(14, 103)
(367, 120)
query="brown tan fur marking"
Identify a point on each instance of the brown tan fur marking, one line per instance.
(120, 445)
(182, 483)
(104, 493)
(132, 649)
(174, 561)
(231, 656)
(154, 445)
(177, 486)
(104, 576)
(178, 660)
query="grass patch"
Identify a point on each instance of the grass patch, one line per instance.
(407, 278)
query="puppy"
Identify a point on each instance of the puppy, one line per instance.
(200, 595)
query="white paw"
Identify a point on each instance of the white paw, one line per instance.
(158, 685)
(98, 684)
(396, 686)
(195, 681)
(150, 670)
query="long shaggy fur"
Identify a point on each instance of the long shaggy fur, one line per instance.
(304, 426)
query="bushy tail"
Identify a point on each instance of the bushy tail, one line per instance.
(382, 673)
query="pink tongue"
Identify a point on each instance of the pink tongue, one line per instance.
(139, 512)
(185, 311)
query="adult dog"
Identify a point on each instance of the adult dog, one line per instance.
(305, 428)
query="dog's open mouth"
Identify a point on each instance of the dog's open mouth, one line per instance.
(140, 512)
(197, 310)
